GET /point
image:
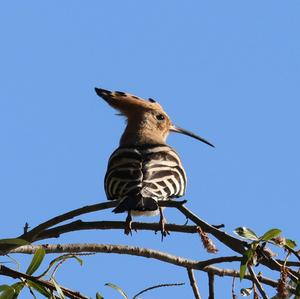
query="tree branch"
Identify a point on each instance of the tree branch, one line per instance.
(46, 230)
(129, 250)
(205, 266)
(257, 283)
(90, 225)
(232, 242)
(162, 285)
(30, 235)
(193, 283)
(211, 281)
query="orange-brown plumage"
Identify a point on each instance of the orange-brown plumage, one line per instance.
(144, 169)
(143, 125)
(147, 122)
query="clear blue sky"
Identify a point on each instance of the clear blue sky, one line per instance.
(228, 70)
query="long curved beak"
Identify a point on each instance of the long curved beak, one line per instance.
(174, 128)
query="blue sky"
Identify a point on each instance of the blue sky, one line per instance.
(228, 70)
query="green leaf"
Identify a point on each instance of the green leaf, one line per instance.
(14, 241)
(290, 243)
(4, 287)
(18, 287)
(39, 288)
(246, 292)
(243, 269)
(270, 234)
(98, 296)
(58, 288)
(36, 260)
(297, 292)
(6, 292)
(248, 255)
(62, 257)
(79, 260)
(246, 233)
(118, 289)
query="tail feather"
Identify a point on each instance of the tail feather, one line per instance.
(136, 203)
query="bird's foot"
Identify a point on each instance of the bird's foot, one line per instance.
(128, 223)
(162, 223)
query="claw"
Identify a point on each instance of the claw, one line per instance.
(128, 229)
(162, 223)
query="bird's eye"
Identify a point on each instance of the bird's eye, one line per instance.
(160, 117)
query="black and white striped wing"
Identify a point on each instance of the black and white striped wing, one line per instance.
(153, 172)
(164, 175)
(124, 173)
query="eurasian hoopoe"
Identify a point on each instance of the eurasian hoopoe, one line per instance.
(144, 169)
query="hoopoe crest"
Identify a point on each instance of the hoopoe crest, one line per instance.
(144, 169)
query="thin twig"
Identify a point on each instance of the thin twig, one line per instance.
(193, 283)
(293, 251)
(232, 242)
(234, 296)
(158, 286)
(257, 283)
(26, 228)
(211, 282)
(29, 236)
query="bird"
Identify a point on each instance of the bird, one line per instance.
(144, 168)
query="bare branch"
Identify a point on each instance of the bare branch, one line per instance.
(81, 225)
(257, 283)
(211, 282)
(296, 253)
(232, 242)
(205, 266)
(158, 286)
(130, 250)
(193, 283)
(30, 235)
(46, 230)
(233, 294)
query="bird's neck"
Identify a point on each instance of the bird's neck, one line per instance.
(140, 136)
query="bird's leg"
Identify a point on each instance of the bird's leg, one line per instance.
(128, 223)
(162, 223)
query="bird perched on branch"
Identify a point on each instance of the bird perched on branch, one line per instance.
(143, 169)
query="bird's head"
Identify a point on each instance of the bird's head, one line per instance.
(147, 123)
